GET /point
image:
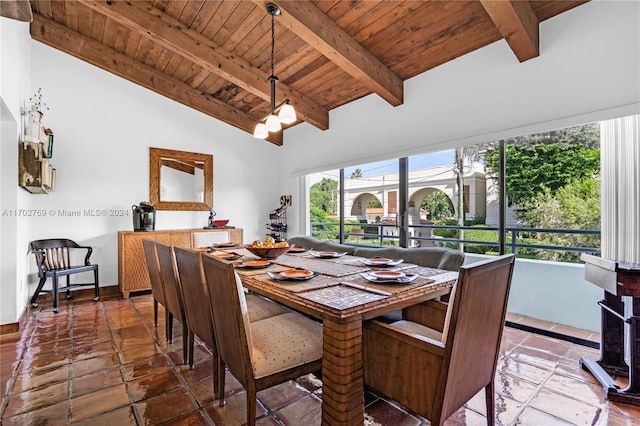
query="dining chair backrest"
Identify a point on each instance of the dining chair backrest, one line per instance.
(172, 291)
(151, 256)
(230, 317)
(196, 295)
(172, 294)
(475, 329)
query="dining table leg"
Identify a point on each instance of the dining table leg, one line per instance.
(342, 375)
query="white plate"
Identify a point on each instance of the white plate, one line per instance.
(401, 280)
(381, 261)
(326, 254)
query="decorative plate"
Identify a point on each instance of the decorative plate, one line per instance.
(402, 279)
(326, 254)
(381, 261)
(293, 274)
(255, 264)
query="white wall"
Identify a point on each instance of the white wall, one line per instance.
(15, 86)
(552, 291)
(588, 69)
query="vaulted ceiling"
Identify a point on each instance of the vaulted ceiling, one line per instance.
(214, 56)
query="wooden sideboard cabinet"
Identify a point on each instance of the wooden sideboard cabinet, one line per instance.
(132, 265)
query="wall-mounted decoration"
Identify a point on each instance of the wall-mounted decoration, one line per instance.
(35, 174)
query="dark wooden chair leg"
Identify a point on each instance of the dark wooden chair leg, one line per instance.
(185, 343)
(55, 293)
(97, 284)
(68, 292)
(170, 328)
(490, 402)
(191, 348)
(251, 408)
(155, 313)
(166, 324)
(221, 374)
(34, 298)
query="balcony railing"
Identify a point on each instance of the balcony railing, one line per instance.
(387, 234)
(541, 289)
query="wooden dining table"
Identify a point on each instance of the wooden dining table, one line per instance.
(342, 299)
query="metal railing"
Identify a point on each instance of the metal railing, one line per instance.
(387, 234)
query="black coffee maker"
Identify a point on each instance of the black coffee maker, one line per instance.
(144, 217)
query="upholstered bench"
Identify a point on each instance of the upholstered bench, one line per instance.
(431, 257)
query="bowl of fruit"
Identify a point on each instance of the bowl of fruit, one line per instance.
(269, 248)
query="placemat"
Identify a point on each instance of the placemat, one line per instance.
(386, 287)
(341, 297)
(321, 266)
(256, 271)
(404, 265)
(321, 281)
(423, 271)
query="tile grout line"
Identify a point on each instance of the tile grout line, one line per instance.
(116, 352)
(174, 368)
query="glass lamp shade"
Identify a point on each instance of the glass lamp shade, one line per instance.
(287, 114)
(261, 131)
(273, 124)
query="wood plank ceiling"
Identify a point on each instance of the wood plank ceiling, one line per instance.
(214, 56)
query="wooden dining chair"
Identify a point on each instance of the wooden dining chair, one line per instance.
(434, 369)
(259, 354)
(157, 289)
(55, 259)
(196, 301)
(173, 294)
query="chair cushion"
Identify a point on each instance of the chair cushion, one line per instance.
(261, 308)
(283, 342)
(419, 329)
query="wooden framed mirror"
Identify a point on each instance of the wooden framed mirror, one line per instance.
(180, 180)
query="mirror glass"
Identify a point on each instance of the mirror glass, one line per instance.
(180, 180)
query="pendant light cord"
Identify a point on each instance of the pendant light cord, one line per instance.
(273, 79)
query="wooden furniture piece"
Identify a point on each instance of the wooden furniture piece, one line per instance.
(173, 294)
(157, 289)
(434, 372)
(617, 279)
(132, 267)
(259, 354)
(54, 259)
(196, 301)
(35, 174)
(339, 298)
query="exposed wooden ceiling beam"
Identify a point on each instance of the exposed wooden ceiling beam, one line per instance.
(171, 34)
(318, 30)
(59, 37)
(518, 24)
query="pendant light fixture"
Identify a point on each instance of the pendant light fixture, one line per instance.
(283, 113)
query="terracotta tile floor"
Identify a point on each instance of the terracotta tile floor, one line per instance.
(104, 364)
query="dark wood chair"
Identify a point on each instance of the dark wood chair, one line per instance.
(157, 289)
(434, 364)
(196, 301)
(54, 258)
(172, 294)
(259, 354)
